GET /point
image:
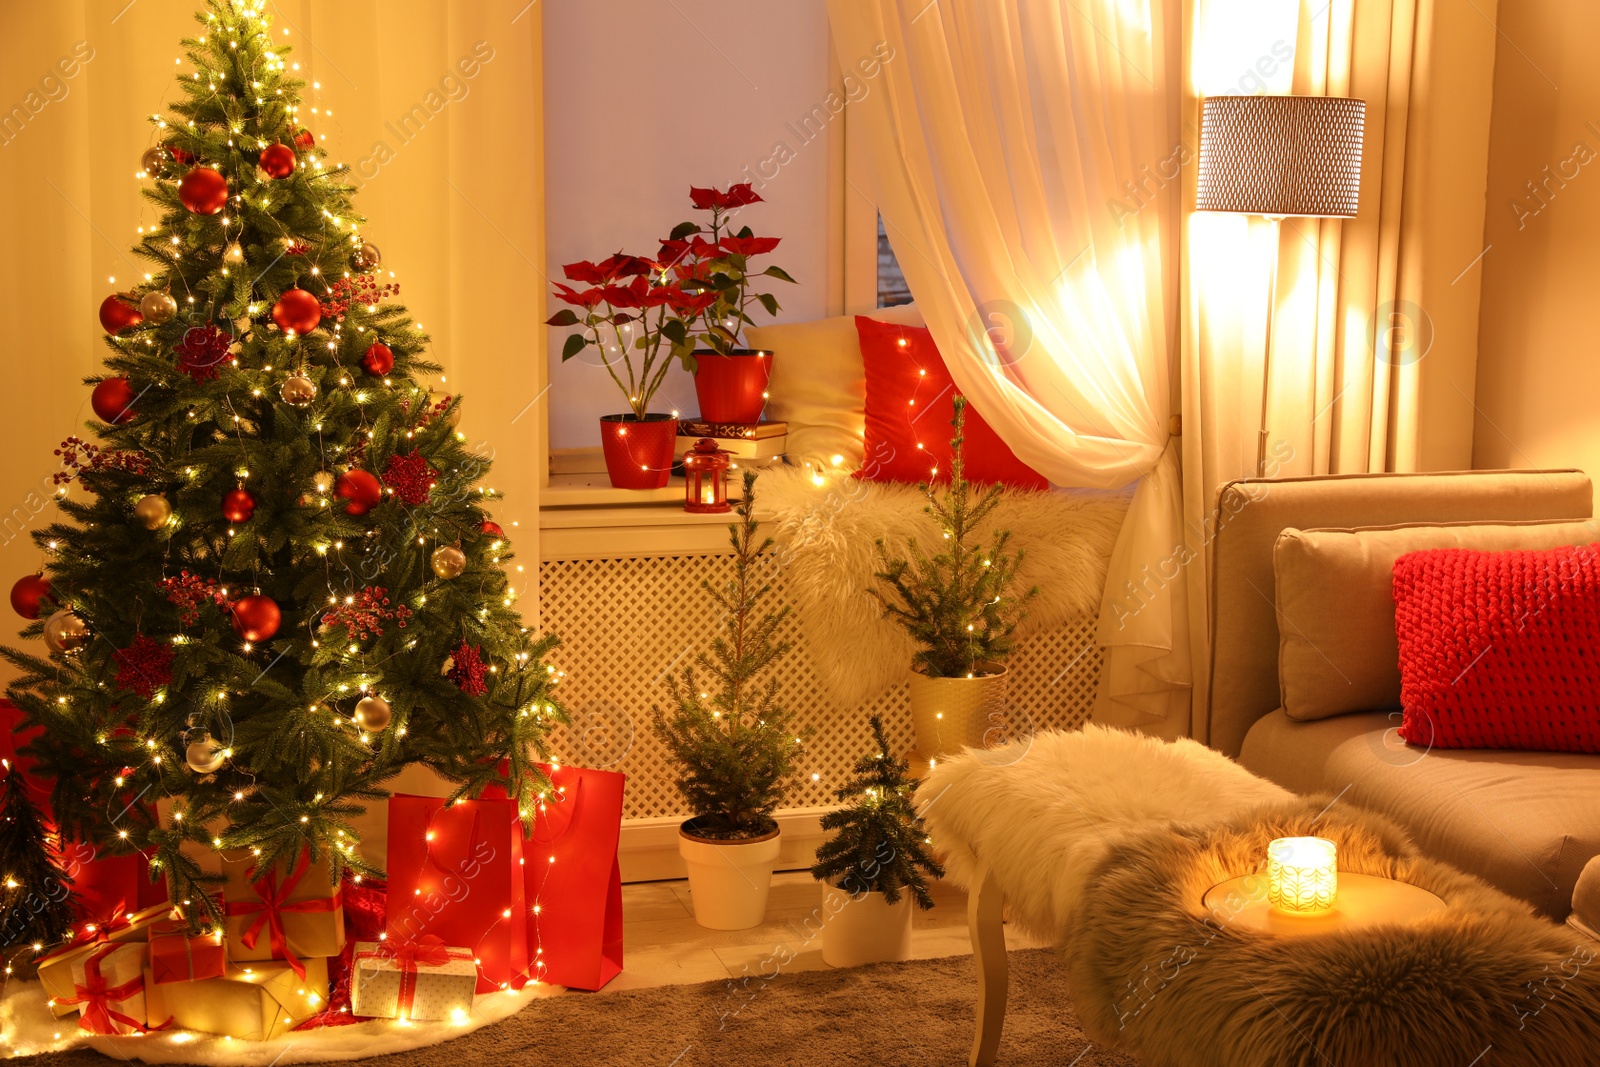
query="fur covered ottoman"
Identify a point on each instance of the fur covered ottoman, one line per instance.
(1484, 982)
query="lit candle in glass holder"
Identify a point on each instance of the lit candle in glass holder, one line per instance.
(1302, 875)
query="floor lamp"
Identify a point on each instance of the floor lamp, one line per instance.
(1282, 157)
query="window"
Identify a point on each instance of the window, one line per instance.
(891, 282)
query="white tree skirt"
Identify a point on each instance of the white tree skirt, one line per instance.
(27, 1028)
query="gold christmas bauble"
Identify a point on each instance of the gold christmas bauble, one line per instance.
(153, 511)
(322, 482)
(367, 257)
(449, 561)
(298, 391)
(153, 161)
(373, 714)
(65, 631)
(204, 755)
(158, 307)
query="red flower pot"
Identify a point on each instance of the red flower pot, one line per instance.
(638, 451)
(732, 388)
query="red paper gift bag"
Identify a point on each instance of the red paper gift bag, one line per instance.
(455, 871)
(574, 884)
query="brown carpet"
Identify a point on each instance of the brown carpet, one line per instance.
(916, 1014)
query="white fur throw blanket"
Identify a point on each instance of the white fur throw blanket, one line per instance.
(1041, 813)
(827, 553)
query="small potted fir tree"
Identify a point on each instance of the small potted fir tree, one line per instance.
(876, 864)
(961, 607)
(736, 749)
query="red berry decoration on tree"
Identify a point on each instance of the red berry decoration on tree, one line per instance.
(144, 666)
(189, 592)
(203, 191)
(410, 477)
(492, 528)
(304, 139)
(379, 359)
(277, 161)
(26, 594)
(112, 400)
(256, 618)
(467, 670)
(297, 310)
(360, 490)
(238, 505)
(117, 315)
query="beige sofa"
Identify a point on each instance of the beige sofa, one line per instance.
(1527, 822)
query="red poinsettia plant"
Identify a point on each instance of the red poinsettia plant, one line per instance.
(715, 260)
(636, 315)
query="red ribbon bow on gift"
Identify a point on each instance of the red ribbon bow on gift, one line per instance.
(96, 997)
(94, 933)
(429, 950)
(271, 906)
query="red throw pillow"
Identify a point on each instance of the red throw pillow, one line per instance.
(1500, 649)
(910, 402)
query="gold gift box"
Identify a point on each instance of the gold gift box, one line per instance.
(55, 969)
(308, 933)
(252, 1002)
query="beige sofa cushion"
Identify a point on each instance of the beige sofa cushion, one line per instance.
(1586, 901)
(819, 383)
(1526, 822)
(1337, 651)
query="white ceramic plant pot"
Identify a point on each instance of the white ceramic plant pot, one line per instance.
(864, 929)
(728, 880)
(951, 713)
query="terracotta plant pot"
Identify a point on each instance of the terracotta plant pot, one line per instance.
(863, 929)
(638, 452)
(948, 714)
(728, 880)
(732, 388)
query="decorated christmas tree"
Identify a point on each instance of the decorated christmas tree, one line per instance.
(880, 845)
(735, 746)
(274, 582)
(35, 908)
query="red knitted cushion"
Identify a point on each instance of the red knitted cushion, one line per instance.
(1500, 649)
(910, 402)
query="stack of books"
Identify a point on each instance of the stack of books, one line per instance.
(753, 442)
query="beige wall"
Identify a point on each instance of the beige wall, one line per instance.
(1538, 368)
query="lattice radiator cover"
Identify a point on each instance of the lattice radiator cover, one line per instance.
(626, 623)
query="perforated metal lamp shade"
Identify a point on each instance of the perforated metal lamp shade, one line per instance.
(1281, 155)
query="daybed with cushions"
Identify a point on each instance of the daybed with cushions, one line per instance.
(1305, 687)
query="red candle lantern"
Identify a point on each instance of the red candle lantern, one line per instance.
(705, 478)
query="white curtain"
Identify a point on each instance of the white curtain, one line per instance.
(1024, 156)
(461, 228)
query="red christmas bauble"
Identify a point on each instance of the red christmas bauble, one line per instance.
(277, 160)
(27, 593)
(256, 618)
(360, 490)
(304, 139)
(180, 156)
(492, 528)
(297, 310)
(111, 400)
(238, 505)
(203, 191)
(117, 315)
(379, 359)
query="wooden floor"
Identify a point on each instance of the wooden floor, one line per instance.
(664, 946)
